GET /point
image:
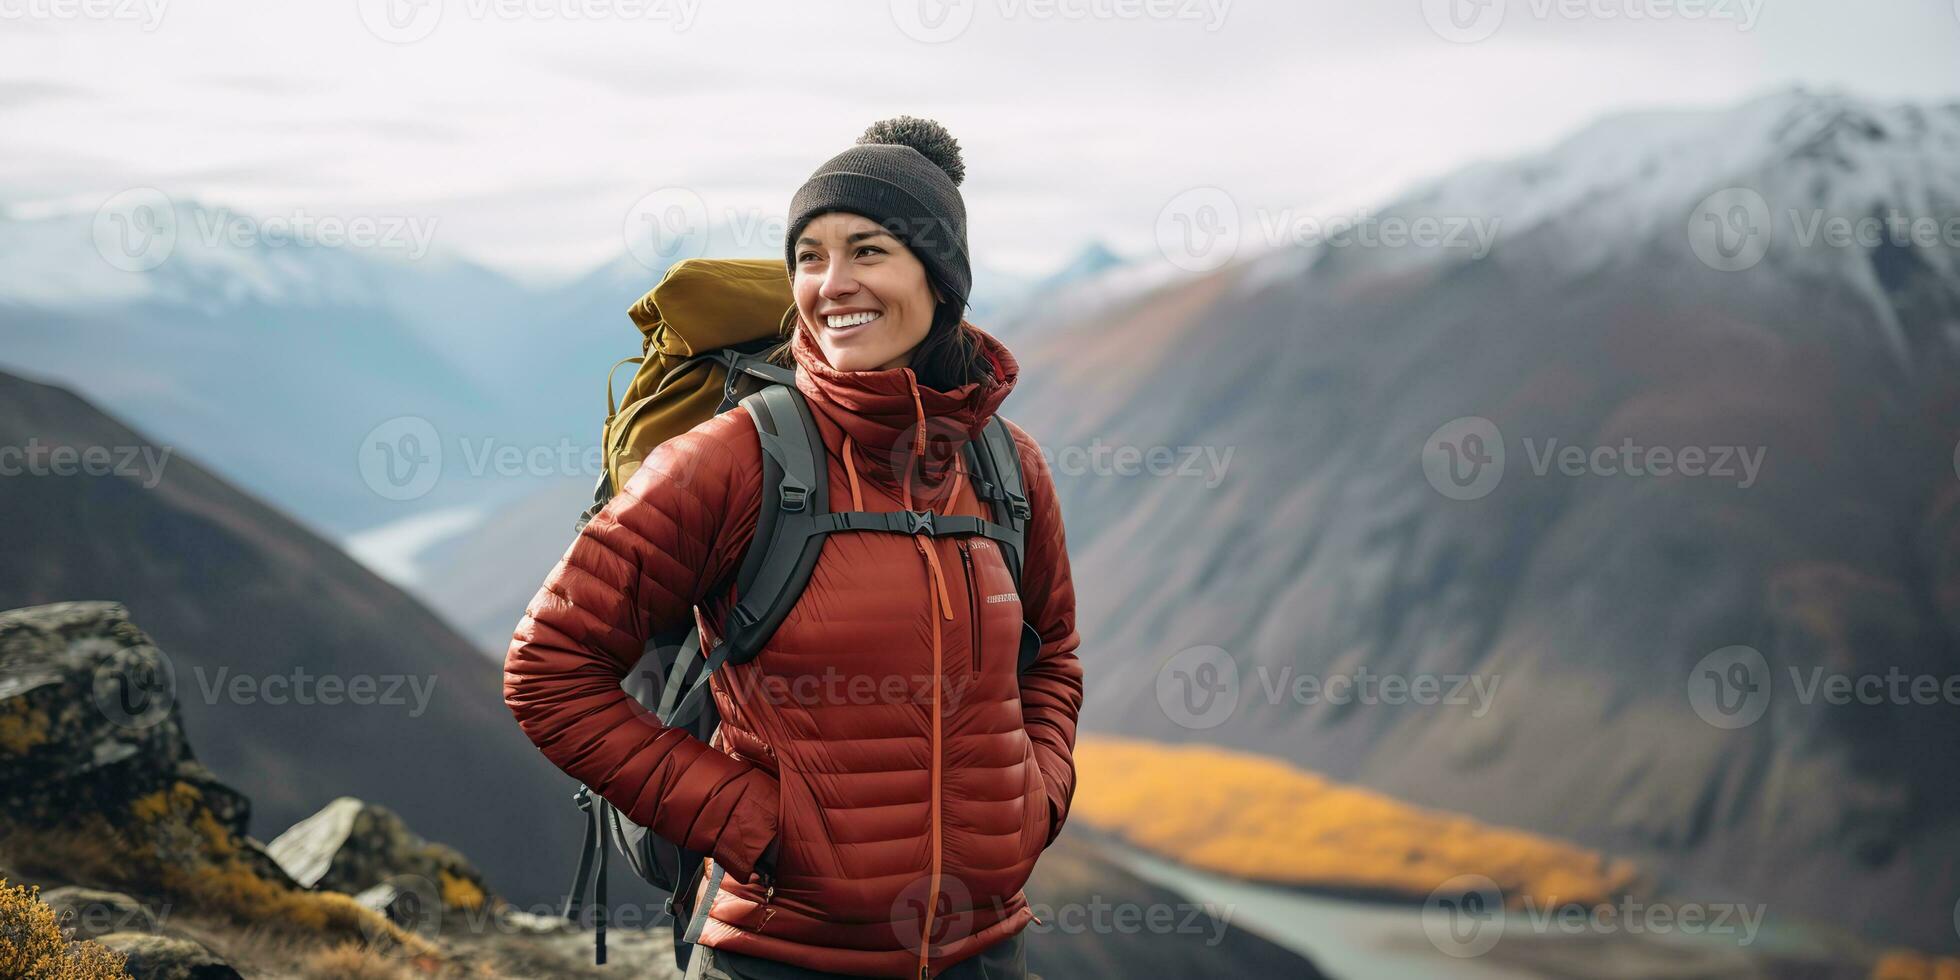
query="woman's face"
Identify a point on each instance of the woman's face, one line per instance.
(849, 269)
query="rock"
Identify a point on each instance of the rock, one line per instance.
(153, 957)
(91, 741)
(91, 913)
(352, 846)
(519, 921)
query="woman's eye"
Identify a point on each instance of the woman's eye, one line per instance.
(871, 248)
(806, 256)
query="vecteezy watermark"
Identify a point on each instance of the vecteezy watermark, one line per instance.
(1473, 233)
(1201, 229)
(1468, 915)
(140, 464)
(1208, 920)
(408, 234)
(136, 687)
(935, 21)
(408, 21)
(1199, 688)
(1205, 463)
(139, 229)
(1733, 229)
(1464, 459)
(402, 458)
(1732, 687)
(146, 14)
(97, 918)
(1470, 21)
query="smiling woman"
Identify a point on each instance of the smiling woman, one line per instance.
(880, 829)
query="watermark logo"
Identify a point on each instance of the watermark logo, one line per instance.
(142, 465)
(1198, 687)
(1464, 458)
(403, 233)
(1098, 916)
(400, 21)
(133, 687)
(666, 226)
(1464, 916)
(930, 910)
(1470, 21)
(1463, 21)
(1474, 234)
(146, 14)
(1734, 228)
(937, 21)
(136, 230)
(1730, 688)
(1729, 230)
(410, 901)
(933, 21)
(401, 458)
(300, 686)
(408, 21)
(1198, 230)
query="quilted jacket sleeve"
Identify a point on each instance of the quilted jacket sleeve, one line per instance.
(637, 568)
(1051, 690)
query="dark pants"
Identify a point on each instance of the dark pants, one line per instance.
(1004, 960)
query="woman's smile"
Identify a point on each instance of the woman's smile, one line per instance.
(844, 324)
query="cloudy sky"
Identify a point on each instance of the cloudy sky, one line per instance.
(532, 132)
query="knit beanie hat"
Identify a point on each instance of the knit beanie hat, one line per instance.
(904, 174)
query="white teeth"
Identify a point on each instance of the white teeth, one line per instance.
(850, 319)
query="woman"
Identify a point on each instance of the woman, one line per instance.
(883, 779)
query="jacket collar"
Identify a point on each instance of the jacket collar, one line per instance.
(900, 426)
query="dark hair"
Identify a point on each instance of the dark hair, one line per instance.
(949, 356)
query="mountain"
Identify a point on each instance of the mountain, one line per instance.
(1595, 606)
(282, 362)
(364, 352)
(300, 674)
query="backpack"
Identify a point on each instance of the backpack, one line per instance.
(706, 326)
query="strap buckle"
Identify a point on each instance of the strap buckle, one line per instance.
(795, 495)
(918, 520)
(1018, 505)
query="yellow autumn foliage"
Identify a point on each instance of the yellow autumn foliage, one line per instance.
(460, 893)
(174, 845)
(1263, 819)
(32, 944)
(21, 727)
(1903, 965)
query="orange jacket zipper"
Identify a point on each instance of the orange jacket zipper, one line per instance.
(938, 668)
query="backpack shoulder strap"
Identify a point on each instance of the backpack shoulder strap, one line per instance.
(784, 552)
(998, 463)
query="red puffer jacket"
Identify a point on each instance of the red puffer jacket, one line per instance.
(884, 737)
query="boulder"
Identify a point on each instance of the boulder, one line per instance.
(89, 913)
(153, 957)
(91, 742)
(353, 846)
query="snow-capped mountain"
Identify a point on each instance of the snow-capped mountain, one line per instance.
(1765, 459)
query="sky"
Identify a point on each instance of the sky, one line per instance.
(533, 135)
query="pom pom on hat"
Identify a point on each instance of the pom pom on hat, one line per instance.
(924, 135)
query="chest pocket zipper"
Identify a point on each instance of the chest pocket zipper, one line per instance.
(973, 603)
